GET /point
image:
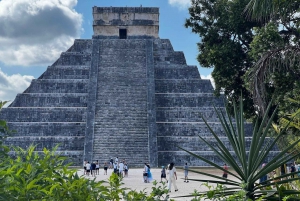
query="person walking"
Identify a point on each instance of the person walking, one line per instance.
(150, 178)
(172, 177)
(225, 174)
(115, 168)
(186, 172)
(111, 163)
(163, 174)
(97, 167)
(145, 173)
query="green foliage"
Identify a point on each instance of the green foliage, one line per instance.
(4, 133)
(265, 39)
(45, 176)
(246, 166)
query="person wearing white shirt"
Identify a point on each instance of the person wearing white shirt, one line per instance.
(172, 177)
(121, 167)
(88, 169)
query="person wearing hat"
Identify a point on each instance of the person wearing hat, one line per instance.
(163, 174)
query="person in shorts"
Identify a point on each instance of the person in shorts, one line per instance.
(145, 173)
(105, 168)
(88, 168)
(125, 170)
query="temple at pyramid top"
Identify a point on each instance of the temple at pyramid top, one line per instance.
(125, 22)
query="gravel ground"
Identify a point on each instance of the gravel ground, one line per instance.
(135, 181)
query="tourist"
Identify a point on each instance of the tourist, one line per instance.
(293, 170)
(275, 177)
(163, 174)
(149, 174)
(186, 172)
(145, 173)
(93, 169)
(225, 174)
(111, 163)
(88, 168)
(105, 168)
(97, 167)
(125, 170)
(121, 168)
(282, 169)
(115, 168)
(172, 177)
(117, 160)
(84, 167)
(264, 177)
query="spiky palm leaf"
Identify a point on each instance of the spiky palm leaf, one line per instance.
(264, 10)
(246, 166)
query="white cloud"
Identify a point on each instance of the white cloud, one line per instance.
(35, 32)
(11, 85)
(180, 3)
(209, 77)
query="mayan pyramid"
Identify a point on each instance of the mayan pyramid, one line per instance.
(124, 93)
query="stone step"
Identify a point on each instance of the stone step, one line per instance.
(50, 100)
(180, 114)
(171, 143)
(66, 72)
(43, 114)
(176, 57)
(118, 44)
(183, 86)
(58, 86)
(182, 72)
(187, 100)
(48, 129)
(195, 129)
(74, 58)
(81, 46)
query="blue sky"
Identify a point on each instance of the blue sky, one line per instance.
(33, 33)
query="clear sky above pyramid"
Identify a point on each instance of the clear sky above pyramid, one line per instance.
(33, 33)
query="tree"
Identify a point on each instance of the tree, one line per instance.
(225, 43)
(4, 133)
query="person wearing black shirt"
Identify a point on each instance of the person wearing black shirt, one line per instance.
(93, 169)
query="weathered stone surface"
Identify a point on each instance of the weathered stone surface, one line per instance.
(134, 98)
